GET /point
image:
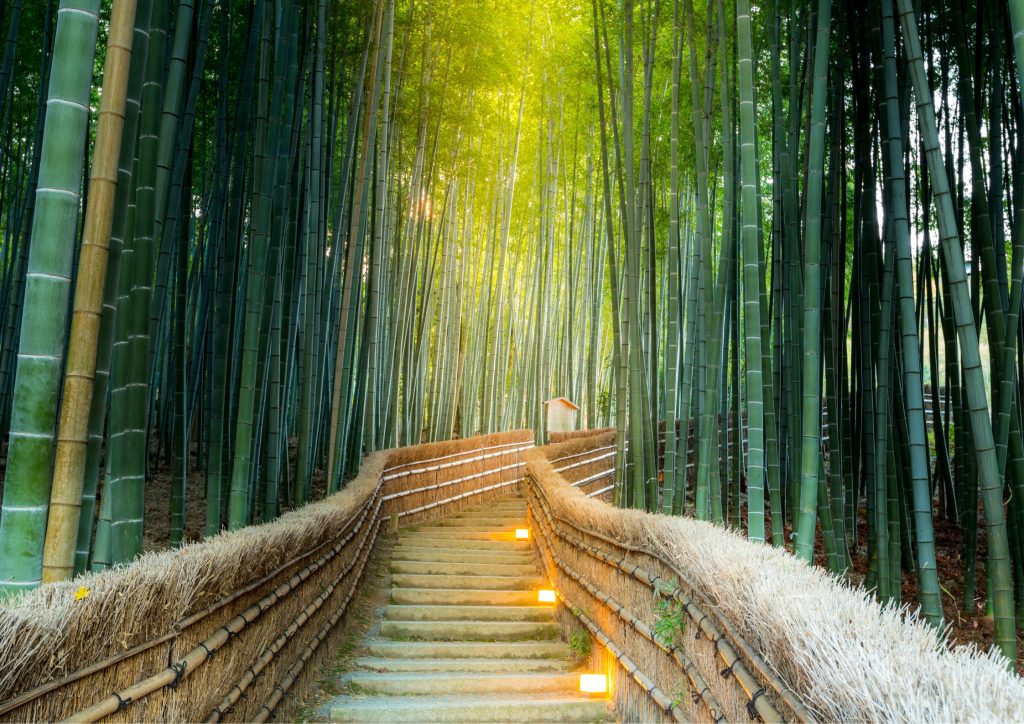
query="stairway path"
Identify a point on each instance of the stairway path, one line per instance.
(463, 638)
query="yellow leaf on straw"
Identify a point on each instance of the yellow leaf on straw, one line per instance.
(81, 593)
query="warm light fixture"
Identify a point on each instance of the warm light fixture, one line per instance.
(545, 595)
(522, 533)
(594, 683)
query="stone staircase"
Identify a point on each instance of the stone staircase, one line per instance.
(464, 638)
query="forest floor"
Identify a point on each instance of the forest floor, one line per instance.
(156, 529)
(967, 623)
(157, 522)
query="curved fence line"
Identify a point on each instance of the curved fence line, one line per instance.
(222, 629)
(779, 638)
(691, 621)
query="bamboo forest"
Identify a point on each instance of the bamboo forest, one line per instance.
(773, 250)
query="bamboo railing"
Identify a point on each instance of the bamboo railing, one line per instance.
(223, 630)
(689, 621)
(668, 656)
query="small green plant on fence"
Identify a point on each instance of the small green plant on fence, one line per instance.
(671, 623)
(580, 644)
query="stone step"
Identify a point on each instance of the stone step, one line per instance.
(483, 520)
(494, 512)
(457, 555)
(479, 665)
(426, 541)
(500, 512)
(438, 532)
(470, 630)
(381, 648)
(424, 683)
(469, 613)
(479, 708)
(498, 583)
(447, 568)
(462, 597)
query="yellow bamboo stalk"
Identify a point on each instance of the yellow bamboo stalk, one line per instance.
(80, 374)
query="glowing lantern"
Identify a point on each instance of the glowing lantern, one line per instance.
(522, 533)
(545, 595)
(594, 683)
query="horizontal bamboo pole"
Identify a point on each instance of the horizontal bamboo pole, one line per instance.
(589, 461)
(591, 478)
(697, 682)
(725, 647)
(527, 444)
(453, 464)
(563, 458)
(204, 651)
(449, 483)
(462, 496)
(266, 711)
(238, 690)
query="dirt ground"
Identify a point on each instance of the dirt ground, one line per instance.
(966, 624)
(156, 529)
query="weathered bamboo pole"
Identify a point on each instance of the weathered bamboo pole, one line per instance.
(80, 373)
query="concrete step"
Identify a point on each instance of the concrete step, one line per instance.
(437, 532)
(457, 555)
(498, 583)
(423, 684)
(484, 520)
(478, 708)
(480, 666)
(469, 613)
(495, 512)
(467, 544)
(470, 630)
(462, 597)
(381, 648)
(501, 511)
(464, 569)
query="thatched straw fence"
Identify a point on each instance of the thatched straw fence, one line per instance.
(758, 634)
(556, 437)
(222, 630)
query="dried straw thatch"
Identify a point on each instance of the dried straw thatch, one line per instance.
(558, 437)
(280, 586)
(842, 655)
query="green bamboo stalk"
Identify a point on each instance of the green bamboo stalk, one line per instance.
(47, 286)
(980, 422)
(928, 581)
(812, 291)
(750, 223)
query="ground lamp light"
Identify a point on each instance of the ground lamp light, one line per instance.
(522, 533)
(545, 595)
(594, 683)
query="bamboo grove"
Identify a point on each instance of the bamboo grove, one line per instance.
(779, 247)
